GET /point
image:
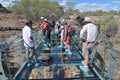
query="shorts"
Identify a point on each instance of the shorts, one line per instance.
(30, 51)
(43, 31)
(86, 49)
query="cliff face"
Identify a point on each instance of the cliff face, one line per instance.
(9, 20)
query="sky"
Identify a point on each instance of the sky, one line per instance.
(83, 5)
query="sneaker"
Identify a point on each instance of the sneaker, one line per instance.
(60, 46)
(66, 50)
(44, 44)
(49, 44)
(84, 69)
(69, 53)
(65, 47)
(29, 64)
(37, 64)
(32, 61)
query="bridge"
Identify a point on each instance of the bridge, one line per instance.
(103, 60)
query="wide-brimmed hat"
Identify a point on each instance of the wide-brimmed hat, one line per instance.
(87, 19)
(29, 22)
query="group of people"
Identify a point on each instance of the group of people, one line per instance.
(88, 35)
(46, 29)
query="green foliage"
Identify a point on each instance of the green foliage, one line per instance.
(101, 13)
(34, 9)
(109, 26)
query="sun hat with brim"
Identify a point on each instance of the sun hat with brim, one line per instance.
(29, 22)
(87, 19)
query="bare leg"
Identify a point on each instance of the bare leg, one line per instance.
(27, 54)
(86, 61)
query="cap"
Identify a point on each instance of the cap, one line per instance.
(63, 21)
(42, 18)
(62, 27)
(45, 19)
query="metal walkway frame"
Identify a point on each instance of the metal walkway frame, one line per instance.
(22, 73)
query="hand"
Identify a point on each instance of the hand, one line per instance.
(86, 43)
(31, 41)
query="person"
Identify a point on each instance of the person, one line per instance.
(88, 35)
(65, 39)
(62, 35)
(48, 30)
(41, 22)
(62, 30)
(42, 25)
(29, 43)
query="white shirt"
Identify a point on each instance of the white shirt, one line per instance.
(56, 28)
(89, 32)
(27, 33)
(62, 32)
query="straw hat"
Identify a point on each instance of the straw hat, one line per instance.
(87, 19)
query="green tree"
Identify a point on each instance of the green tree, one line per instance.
(109, 26)
(34, 9)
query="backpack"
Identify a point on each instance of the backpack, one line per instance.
(71, 31)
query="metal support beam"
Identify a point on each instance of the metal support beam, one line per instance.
(19, 54)
(2, 74)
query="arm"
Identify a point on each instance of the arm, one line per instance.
(30, 35)
(83, 34)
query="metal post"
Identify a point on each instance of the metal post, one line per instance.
(19, 53)
(2, 74)
(111, 67)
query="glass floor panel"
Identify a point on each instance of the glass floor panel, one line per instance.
(67, 68)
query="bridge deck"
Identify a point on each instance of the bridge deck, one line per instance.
(60, 68)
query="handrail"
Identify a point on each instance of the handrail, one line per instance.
(112, 53)
(17, 41)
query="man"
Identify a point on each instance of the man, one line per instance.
(42, 25)
(29, 43)
(47, 31)
(88, 34)
(65, 39)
